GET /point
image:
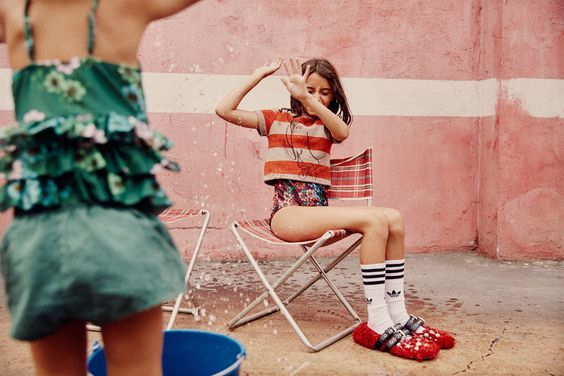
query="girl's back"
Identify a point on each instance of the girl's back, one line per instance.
(60, 28)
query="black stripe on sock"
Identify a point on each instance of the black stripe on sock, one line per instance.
(373, 276)
(373, 270)
(373, 283)
(394, 265)
(394, 277)
(394, 271)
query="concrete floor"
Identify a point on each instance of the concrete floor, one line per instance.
(508, 318)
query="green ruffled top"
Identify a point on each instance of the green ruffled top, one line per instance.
(81, 135)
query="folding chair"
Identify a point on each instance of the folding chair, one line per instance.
(173, 216)
(168, 217)
(351, 179)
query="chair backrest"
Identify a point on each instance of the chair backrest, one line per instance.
(351, 178)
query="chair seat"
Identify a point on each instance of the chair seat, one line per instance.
(260, 228)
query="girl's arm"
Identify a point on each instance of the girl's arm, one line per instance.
(227, 108)
(296, 85)
(155, 10)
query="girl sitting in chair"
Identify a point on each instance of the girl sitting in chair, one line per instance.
(297, 166)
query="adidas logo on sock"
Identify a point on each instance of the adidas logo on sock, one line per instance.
(368, 301)
(393, 293)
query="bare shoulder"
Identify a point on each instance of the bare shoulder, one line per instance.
(5, 7)
(154, 10)
(9, 8)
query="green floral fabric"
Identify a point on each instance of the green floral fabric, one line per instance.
(81, 136)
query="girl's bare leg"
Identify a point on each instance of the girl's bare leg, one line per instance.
(61, 353)
(134, 345)
(395, 248)
(295, 223)
(383, 234)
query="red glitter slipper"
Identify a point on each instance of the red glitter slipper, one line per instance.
(445, 340)
(397, 341)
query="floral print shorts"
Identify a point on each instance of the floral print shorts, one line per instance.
(298, 193)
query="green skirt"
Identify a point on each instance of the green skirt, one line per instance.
(86, 262)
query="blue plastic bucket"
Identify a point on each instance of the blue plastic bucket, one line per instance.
(189, 352)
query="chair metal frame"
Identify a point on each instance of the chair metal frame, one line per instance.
(343, 172)
(169, 216)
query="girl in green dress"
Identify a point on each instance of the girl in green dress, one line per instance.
(79, 164)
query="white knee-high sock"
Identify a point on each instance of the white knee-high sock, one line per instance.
(373, 279)
(395, 297)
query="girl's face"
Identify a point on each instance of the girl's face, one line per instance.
(319, 87)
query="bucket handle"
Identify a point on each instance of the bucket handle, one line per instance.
(232, 367)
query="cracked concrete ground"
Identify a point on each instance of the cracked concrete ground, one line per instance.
(508, 318)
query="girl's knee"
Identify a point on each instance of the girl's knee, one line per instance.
(375, 222)
(395, 222)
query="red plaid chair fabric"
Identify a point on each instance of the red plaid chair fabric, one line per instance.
(174, 215)
(351, 179)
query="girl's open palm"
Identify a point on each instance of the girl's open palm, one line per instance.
(267, 69)
(296, 81)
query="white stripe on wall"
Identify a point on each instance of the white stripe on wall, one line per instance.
(539, 97)
(6, 102)
(199, 93)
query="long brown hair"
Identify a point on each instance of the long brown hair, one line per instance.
(339, 104)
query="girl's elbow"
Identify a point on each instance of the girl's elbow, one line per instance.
(221, 112)
(342, 137)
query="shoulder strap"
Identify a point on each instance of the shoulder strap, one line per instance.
(29, 45)
(28, 32)
(92, 26)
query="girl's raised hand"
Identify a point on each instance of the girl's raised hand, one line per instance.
(296, 81)
(267, 69)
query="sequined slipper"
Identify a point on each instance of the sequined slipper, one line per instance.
(397, 341)
(445, 340)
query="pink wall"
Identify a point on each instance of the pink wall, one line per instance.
(454, 174)
(521, 206)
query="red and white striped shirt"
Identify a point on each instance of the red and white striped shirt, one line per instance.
(299, 148)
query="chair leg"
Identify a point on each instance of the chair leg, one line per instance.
(304, 287)
(280, 305)
(236, 321)
(322, 273)
(176, 308)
